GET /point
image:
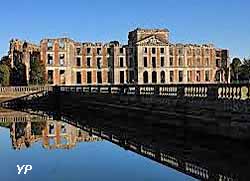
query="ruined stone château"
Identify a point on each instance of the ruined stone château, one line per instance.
(148, 58)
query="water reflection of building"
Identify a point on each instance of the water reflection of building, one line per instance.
(26, 129)
(57, 134)
(24, 134)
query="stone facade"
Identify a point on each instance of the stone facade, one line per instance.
(149, 58)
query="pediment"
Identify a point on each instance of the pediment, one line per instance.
(151, 41)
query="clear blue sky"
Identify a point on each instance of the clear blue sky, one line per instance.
(226, 23)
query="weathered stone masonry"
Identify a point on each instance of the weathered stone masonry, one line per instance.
(149, 58)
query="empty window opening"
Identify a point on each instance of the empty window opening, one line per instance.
(88, 62)
(62, 59)
(162, 77)
(162, 61)
(180, 76)
(89, 77)
(78, 61)
(50, 59)
(99, 63)
(145, 77)
(78, 77)
(154, 77)
(50, 77)
(153, 62)
(121, 77)
(121, 62)
(99, 77)
(171, 76)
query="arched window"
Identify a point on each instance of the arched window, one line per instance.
(162, 77)
(154, 77)
(145, 77)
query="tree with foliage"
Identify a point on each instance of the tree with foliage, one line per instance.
(235, 69)
(6, 61)
(19, 75)
(4, 75)
(5, 71)
(245, 70)
(37, 71)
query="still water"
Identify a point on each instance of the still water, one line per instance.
(60, 151)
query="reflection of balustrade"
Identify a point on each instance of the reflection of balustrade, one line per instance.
(167, 158)
(203, 173)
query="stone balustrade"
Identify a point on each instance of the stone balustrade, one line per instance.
(209, 91)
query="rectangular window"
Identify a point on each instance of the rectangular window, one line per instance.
(61, 45)
(61, 59)
(88, 51)
(109, 51)
(207, 75)
(78, 61)
(198, 76)
(162, 61)
(121, 51)
(145, 61)
(99, 63)
(50, 59)
(180, 76)
(171, 51)
(88, 62)
(217, 62)
(171, 76)
(78, 51)
(78, 77)
(171, 61)
(89, 77)
(99, 51)
(99, 77)
(121, 62)
(121, 77)
(50, 77)
(62, 76)
(153, 51)
(218, 53)
(153, 62)
(50, 46)
(162, 50)
(145, 50)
